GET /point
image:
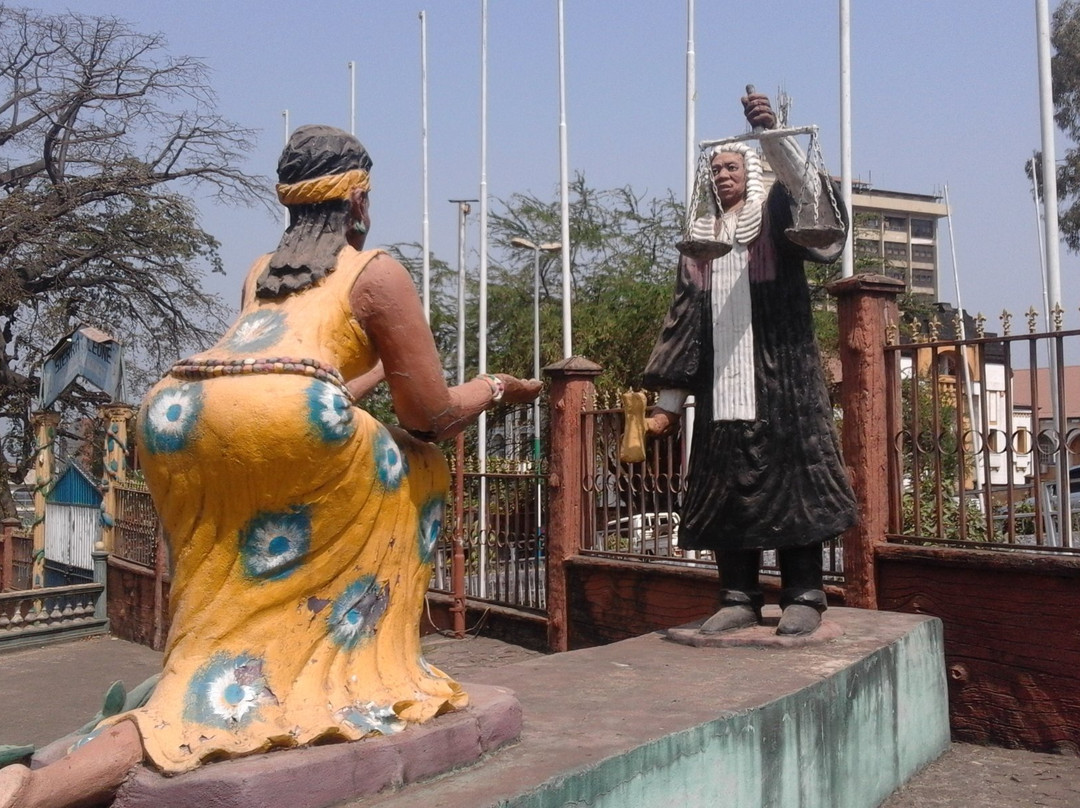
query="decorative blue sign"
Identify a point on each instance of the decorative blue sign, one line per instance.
(86, 352)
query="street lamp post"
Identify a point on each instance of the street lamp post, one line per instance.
(551, 247)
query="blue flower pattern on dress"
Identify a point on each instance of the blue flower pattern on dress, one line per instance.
(355, 613)
(431, 519)
(273, 545)
(391, 464)
(330, 412)
(227, 691)
(370, 718)
(256, 331)
(170, 417)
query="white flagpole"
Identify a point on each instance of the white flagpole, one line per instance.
(425, 224)
(482, 426)
(564, 194)
(1053, 264)
(352, 98)
(1049, 166)
(980, 471)
(1042, 246)
(848, 261)
(691, 99)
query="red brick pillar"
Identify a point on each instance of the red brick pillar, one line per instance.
(572, 391)
(7, 549)
(867, 306)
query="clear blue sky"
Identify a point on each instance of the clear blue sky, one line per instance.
(944, 93)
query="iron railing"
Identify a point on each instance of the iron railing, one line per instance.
(135, 536)
(503, 552)
(632, 509)
(980, 445)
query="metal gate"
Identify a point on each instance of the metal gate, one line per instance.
(70, 534)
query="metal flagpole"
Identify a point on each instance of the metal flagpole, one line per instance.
(425, 225)
(463, 211)
(352, 98)
(482, 425)
(691, 99)
(1042, 245)
(980, 471)
(564, 193)
(285, 117)
(1053, 264)
(848, 261)
(691, 176)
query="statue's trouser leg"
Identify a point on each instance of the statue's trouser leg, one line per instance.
(802, 594)
(739, 584)
(741, 597)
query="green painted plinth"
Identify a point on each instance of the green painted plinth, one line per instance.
(648, 722)
(847, 741)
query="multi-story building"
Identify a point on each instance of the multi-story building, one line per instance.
(900, 231)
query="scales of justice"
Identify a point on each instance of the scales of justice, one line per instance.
(812, 227)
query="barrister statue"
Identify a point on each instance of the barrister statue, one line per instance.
(765, 468)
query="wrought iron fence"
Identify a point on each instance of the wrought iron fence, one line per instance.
(980, 443)
(496, 512)
(632, 510)
(135, 537)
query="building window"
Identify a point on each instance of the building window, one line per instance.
(897, 224)
(923, 253)
(869, 221)
(923, 278)
(868, 248)
(896, 250)
(922, 228)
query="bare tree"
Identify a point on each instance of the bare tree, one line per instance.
(102, 135)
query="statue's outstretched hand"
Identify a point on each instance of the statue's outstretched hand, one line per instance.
(661, 422)
(519, 391)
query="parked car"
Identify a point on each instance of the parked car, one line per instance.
(642, 533)
(1023, 511)
(1050, 484)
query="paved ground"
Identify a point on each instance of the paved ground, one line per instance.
(47, 692)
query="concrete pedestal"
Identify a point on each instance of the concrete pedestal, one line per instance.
(650, 722)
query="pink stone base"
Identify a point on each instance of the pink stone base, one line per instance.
(326, 775)
(762, 636)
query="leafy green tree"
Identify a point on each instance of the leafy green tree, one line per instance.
(622, 267)
(102, 135)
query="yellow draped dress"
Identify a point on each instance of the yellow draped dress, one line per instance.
(301, 532)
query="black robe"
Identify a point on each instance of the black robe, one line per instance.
(778, 481)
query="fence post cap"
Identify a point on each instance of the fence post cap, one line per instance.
(866, 283)
(573, 365)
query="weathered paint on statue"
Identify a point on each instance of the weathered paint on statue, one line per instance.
(301, 529)
(302, 533)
